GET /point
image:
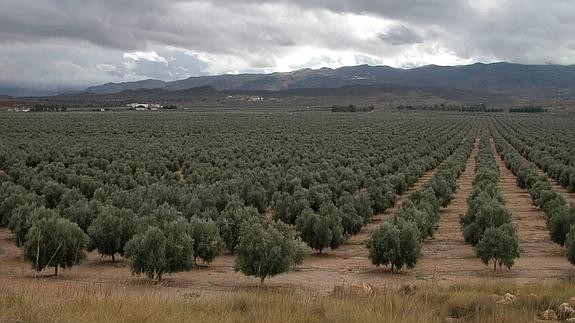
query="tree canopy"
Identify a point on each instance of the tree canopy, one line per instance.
(268, 251)
(55, 242)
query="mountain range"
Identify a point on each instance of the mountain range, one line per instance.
(495, 78)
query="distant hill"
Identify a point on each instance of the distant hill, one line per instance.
(371, 90)
(141, 94)
(377, 94)
(26, 92)
(495, 78)
(119, 87)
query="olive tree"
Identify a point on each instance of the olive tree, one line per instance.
(319, 195)
(111, 230)
(321, 230)
(83, 212)
(394, 245)
(287, 207)
(383, 245)
(231, 219)
(157, 251)
(24, 217)
(486, 213)
(560, 223)
(266, 252)
(382, 196)
(570, 245)
(351, 220)
(207, 242)
(55, 242)
(499, 245)
(362, 205)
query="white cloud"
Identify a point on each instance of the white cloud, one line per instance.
(146, 56)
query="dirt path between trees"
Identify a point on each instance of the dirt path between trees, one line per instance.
(446, 254)
(363, 235)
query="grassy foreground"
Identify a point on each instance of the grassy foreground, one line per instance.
(74, 302)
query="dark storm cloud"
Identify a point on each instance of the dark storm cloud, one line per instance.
(420, 10)
(400, 35)
(73, 43)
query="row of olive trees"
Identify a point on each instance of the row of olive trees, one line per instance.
(397, 242)
(67, 177)
(324, 218)
(487, 224)
(50, 240)
(553, 153)
(560, 216)
(162, 244)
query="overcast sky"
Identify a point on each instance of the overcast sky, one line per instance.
(55, 44)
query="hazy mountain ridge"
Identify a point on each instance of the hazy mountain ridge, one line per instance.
(386, 94)
(502, 78)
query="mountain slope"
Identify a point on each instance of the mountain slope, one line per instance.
(502, 78)
(119, 87)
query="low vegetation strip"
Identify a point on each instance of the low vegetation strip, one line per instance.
(398, 241)
(560, 217)
(487, 224)
(496, 301)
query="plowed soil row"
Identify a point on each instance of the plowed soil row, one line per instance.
(446, 254)
(447, 257)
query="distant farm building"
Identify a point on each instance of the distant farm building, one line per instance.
(143, 106)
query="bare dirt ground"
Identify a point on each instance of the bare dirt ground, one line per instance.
(446, 258)
(446, 255)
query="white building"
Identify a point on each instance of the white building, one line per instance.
(138, 105)
(144, 106)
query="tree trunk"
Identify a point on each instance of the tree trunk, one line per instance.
(113, 257)
(262, 280)
(494, 266)
(56, 271)
(159, 277)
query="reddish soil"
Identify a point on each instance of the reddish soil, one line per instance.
(446, 255)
